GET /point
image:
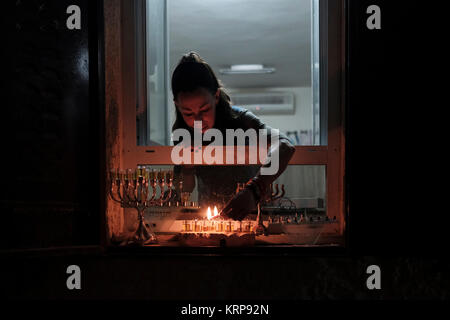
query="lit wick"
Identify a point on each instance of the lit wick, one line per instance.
(209, 215)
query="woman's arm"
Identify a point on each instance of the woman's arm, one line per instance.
(284, 150)
(258, 186)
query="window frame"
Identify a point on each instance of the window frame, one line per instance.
(122, 147)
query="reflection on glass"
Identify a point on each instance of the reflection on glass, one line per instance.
(152, 129)
(315, 73)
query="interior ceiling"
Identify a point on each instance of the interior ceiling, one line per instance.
(276, 33)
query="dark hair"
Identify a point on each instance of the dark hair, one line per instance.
(193, 73)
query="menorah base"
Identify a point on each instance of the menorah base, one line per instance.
(142, 236)
(261, 229)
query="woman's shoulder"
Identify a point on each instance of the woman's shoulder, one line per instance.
(246, 117)
(238, 110)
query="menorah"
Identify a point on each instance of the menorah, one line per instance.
(271, 196)
(132, 190)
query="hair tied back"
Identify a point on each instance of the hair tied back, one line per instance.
(191, 57)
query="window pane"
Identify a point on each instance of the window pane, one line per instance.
(305, 187)
(282, 36)
(315, 73)
(152, 123)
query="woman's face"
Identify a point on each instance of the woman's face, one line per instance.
(199, 105)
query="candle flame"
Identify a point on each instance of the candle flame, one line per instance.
(209, 215)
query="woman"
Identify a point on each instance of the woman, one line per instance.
(199, 96)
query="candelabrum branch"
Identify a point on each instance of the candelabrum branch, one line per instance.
(145, 192)
(135, 191)
(273, 195)
(153, 185)
(111, 191)
(281, 195)
(169, 195)
(161, 184)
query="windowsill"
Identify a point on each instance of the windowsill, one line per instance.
(54, 251)
(256, 251)
(330, 244)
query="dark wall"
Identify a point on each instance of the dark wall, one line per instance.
(52, 128)
(394, 122)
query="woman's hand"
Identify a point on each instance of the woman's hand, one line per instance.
(240, 205)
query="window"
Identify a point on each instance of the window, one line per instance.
(287, 43)
(304, 41)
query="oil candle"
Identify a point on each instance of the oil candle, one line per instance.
(248, 226)
(187, 226)
(208, 226)
(219, 226)
(204, 227)
(239, 227)
(197, 227)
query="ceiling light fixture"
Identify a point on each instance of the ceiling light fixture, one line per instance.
(247, 69)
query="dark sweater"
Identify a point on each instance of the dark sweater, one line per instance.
(217, 184)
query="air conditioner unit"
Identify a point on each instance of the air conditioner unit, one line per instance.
(265, 103)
